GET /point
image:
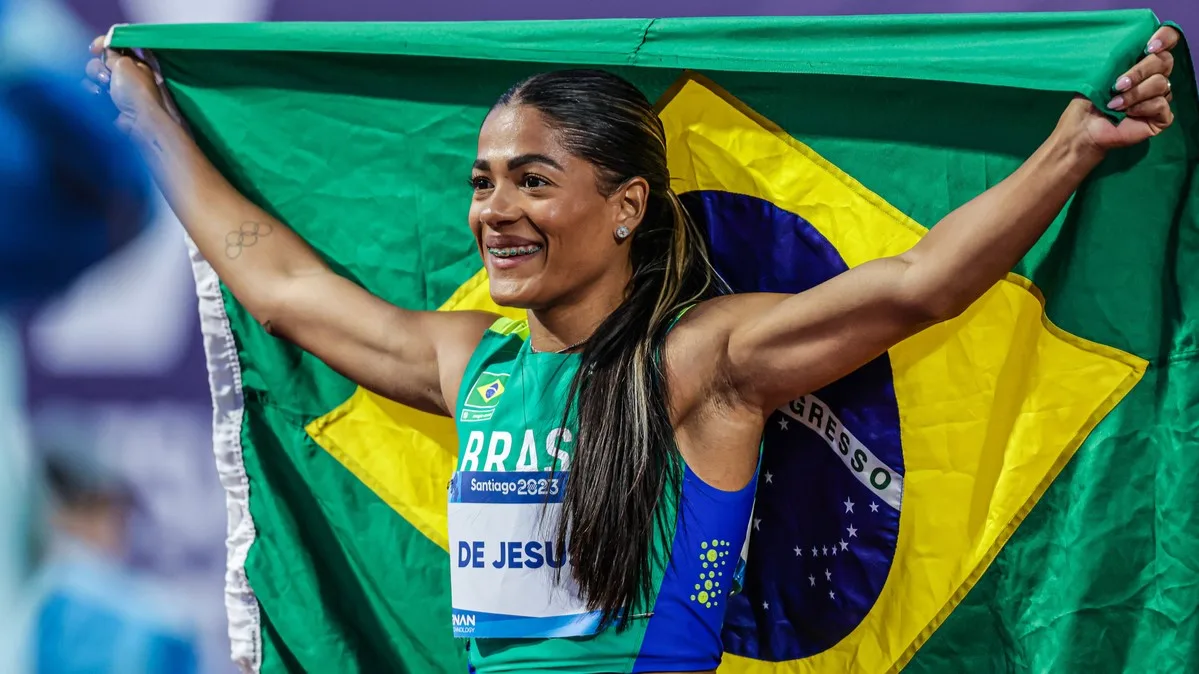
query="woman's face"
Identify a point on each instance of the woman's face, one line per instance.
(545, 231)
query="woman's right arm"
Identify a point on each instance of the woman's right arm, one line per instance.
(414, 357)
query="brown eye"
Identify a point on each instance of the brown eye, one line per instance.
(480, 183)
(532, 181)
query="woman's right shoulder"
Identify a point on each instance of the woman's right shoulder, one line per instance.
(463, 329)
(503, 325)
(456, 336)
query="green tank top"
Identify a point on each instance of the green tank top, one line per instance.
(512, 592)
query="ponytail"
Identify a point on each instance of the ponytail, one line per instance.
(626, 458)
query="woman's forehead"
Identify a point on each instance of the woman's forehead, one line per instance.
(515, 130)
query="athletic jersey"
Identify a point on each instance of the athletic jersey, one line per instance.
(512, 591)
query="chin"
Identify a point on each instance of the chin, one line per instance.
(513, 294)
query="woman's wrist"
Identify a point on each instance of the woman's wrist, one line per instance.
(1072, 143)
(164, 145)
(155, 127)
(1068, 155)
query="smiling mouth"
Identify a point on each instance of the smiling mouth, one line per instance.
(514, 252)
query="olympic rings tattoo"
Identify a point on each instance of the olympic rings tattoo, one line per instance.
(245, 236)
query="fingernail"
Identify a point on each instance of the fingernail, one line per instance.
(103, 77)
(1123, 84)
(1116, 103)
(1154, 45)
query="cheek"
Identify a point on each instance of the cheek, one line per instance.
(472, 220)
(571, 226)
(578, 250)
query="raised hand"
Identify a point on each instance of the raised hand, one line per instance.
(1142, 93)
(131, 84)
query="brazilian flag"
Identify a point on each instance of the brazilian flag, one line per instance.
(1012, 491)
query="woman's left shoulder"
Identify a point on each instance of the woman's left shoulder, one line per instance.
(696, 358)
(697, 344)
(721, 315)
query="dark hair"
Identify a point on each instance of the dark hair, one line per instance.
(625, 456)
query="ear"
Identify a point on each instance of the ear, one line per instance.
(630, 200)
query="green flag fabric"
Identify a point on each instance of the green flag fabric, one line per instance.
(1011, 491)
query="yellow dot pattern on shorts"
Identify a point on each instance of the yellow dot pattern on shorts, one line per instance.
(713, 557)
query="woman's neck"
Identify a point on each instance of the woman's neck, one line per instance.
(571, 322)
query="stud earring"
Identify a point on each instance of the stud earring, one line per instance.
(622, 232)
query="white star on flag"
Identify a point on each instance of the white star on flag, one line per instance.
(813, 552)
(848, 506)
(766, 605)
(832, 595)
(812, 580)
(783, 423)
(844, 545)
(828, 575)
(824, 550)
(757, 520)
(769, 478)
(853, 533)
(798, 552)
(834, 551)
(873, 507)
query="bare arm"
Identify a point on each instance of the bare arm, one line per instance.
(780, 347)
(413, 357)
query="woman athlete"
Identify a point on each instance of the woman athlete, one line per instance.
(651, 470)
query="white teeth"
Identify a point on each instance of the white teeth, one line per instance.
(513, 252)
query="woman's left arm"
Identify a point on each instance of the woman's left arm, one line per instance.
(782, 346)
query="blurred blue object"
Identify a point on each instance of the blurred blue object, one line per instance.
(73, 188)
(95, 617)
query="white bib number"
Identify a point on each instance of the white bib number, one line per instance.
(505, 564)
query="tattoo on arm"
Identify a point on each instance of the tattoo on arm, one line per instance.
(248, 234)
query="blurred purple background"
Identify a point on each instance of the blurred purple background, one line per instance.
(117, 363)
(100, 12)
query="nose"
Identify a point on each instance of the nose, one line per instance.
(501, 208)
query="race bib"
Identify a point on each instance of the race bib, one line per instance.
(505, 564)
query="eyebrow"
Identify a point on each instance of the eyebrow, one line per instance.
(519, 161)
